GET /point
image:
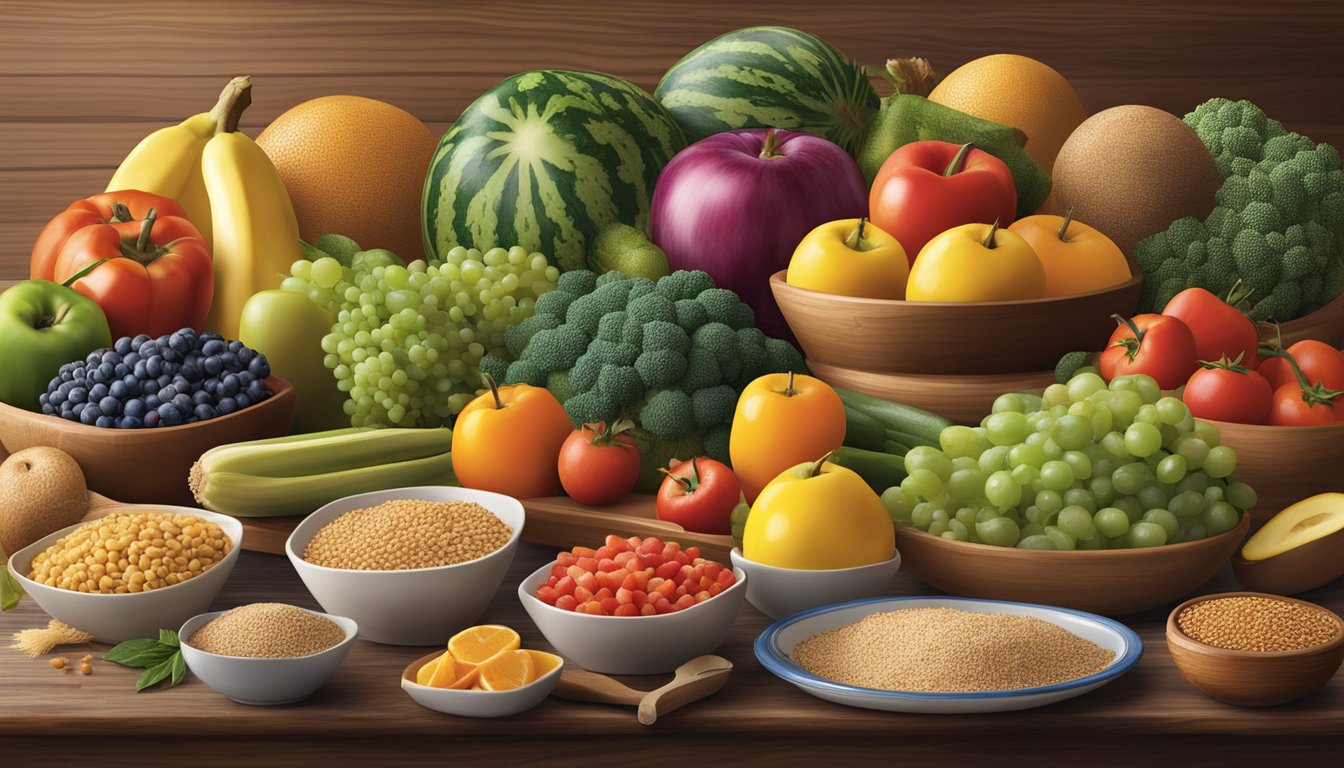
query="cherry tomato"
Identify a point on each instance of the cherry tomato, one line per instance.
(599, 466)
(1234, 394)
(1159, 346)
(633, 577)
(699, 495)
(1220, 330)
(1290, 410)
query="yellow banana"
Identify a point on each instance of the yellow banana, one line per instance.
(230, 191)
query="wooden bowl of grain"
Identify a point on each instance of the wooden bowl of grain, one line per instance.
(147, 466)
(890, 336)
(1112, 582)
(1209, 647)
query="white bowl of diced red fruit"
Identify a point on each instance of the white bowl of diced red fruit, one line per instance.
(680, 605)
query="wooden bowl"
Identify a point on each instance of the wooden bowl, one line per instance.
(889, 336)
(1325, 324)
(963, 399)
(147, 466)
(1113, 582)
(1285, 464)
(1251, 678)
(1306, 567)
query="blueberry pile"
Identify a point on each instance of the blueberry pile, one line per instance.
(142, 382)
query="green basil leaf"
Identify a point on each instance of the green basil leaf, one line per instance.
(169, 638)
(11, 591)
(154, 675)
(179, 669)
(140, 653)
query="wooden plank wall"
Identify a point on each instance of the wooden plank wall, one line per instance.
(81, 82)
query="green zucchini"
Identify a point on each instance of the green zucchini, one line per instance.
(896, 416)
(879, 470)
(863, 431)
(907, 439)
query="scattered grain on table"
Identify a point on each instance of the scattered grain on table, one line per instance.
(1262, 624)
(267, 631)
(943, 650)
(35, 642)
(407, 533)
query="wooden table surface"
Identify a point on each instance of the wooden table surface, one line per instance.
(361, 714)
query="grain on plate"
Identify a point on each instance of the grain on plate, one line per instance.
(1263, 624)
(944, 650)
(267, 631)
(134, 551)
(407, 533)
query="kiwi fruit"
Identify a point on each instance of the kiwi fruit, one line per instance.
(42, 490)
(1131, 171)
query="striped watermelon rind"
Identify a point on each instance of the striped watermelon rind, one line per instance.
(770, 77)
(544, 160)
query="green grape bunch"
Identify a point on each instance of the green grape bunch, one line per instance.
(1085, 466)
(407, 339)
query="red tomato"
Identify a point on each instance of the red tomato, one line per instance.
(1219, 329)
(1156, 345)
(699, 495)
(633, 577)
(1319, 362)
(1290, 410)
(1229, 394)
(598, 467)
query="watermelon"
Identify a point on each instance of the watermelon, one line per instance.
(770, 77)
(544, 160)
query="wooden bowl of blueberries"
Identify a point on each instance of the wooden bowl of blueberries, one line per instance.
(138, 414)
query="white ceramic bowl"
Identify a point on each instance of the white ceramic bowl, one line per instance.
(423, 606)
(776, 643)
(779, 592)
(264, 681)
(114, 618)
(469, 703)
(634, 645)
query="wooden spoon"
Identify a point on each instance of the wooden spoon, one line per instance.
(694, 680)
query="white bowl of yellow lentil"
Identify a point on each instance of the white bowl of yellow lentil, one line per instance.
(371, 557)
(118, 600)
(947, 654)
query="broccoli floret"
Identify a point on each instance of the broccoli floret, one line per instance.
(660, 368)
(716, 443)
(1069, 364)
(702, 370)
(620, 384)
(583, 376)
(556, 349)
(614, 352)
(784, 357)
(609, 327)
(722, 341)
(589, 408)
(651, 307)
(517, 336)
(554, 303)
(685, 284)
(497, 367)
(691, 314)
(586, 311)
(713, 406)
(668, 415)
(558, 383)
(525, 372)
(661, 334)
(656, 453)
(721, 305)
(640, 286)
(754, 362)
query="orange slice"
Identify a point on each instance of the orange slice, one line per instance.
(426, 672)
(507, 671)
(468, 677)
(543, 662)
(445, 672)
(476, 645)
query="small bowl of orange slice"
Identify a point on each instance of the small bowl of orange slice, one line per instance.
(484, 672)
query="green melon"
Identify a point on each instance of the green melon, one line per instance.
(544, 160)
(770, 77)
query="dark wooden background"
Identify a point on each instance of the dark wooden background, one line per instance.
(81, 82)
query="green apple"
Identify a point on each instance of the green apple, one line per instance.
(287, 327)
(44, 325)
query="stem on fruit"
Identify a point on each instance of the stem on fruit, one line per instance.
(1064, 227)
(989, 239)
(688, 484)
(83, 272)
(235, 98)
(855, 241)
(1312, 394)
(1132, 344)
(958, 160)
(494, 390)
(1239, 296)
(770, 148)
(789, 391)
(142, 242)
(913, 75)
(1233, 365)
(815, 469)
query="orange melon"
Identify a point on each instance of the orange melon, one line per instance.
(1018, 91)
(353, 166)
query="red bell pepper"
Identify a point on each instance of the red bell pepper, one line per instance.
(928, 187)
(143, 262)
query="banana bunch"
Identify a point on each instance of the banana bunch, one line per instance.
(230, 191)
(295, 475)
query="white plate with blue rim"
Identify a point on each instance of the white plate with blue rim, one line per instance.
(776, 643)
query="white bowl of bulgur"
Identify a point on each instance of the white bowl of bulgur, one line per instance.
(410, 565)
(266, 653)
(139, 569)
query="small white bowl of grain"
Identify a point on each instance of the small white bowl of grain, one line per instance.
(139, 569)
(410, 565)
(266, 653)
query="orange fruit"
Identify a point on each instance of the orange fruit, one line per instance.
(507, 671)
(543, 662)
(355, 167)
(1020, 92)
(426, 671)
(445, 672)
(477, 645)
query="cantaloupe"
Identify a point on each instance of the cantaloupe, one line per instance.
(42, 490)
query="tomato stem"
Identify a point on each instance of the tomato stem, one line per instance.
(1239, 296)
(1233, 365)
(989, 239)
(606, 434)
(142, 242)
(1312, 394)
(688, 484)
(959, 160)
(1064, 227)
(494, 390)
(1131, 345)
(817, 465)
(855, 240)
